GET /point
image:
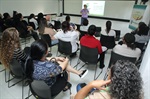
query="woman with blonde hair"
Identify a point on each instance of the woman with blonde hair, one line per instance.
(10, 47)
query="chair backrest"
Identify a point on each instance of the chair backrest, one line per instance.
(82, 33)
(98, 31)
(89, 55)
(78, 26)
(108, 41)
(64, 47)
(46, 38)
(140, 45)
(57, 25)
(17, 68)
(118, 32)
(115, 57)
(40, 89)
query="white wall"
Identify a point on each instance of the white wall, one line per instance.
(26, 7)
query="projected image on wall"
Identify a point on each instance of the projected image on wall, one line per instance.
(96, 8)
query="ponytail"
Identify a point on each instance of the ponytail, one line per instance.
(108, 26)
(29, 67)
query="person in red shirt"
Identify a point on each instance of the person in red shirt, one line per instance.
(90, 41)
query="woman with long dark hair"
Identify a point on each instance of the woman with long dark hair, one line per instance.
(108, 31)
(39, 67)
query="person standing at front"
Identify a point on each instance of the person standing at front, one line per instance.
(84, 12)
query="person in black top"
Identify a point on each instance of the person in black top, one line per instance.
(23, 28)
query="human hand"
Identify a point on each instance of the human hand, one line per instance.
(60, 59)
(98, 84)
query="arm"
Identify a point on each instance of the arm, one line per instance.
(99, 47)
(94, 84)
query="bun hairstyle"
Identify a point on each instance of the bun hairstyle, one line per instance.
(92, 30)
(130, 40)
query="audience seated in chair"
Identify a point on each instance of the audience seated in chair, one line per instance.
(24, 29)
(141, 35)
(124, 77)
(38, 67)
(67, 35)
(49, 21)
(84, 26)
(108, 36)
(44, 29)
(72, 25)
(128, 47)
(90, 41)
(32, 19)
(7, 21)
(108, 31)
(39, 17)
(10, 47)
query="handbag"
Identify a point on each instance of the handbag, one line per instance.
(64, 74)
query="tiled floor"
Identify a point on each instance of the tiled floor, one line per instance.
(15, 91)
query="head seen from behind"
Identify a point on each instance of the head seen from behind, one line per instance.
(42, 25)
(108, 26)
(65, 26)
(91, 30)
(126, 82)
(68, 18)
(9, 41)
(85, 22)
(38, 51)
(142, 29)
(129, 40)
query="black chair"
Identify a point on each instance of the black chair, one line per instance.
(98, 31)
(140, 46)
(78, 26)
(82, 33)
(57, 25)
(107, 41)
(88, 56)
(40, 90)
(118, 32)
(64, 48)
(47, 39)
(115, 57)
(17, 71)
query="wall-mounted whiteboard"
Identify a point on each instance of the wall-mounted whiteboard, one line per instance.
(112, 8)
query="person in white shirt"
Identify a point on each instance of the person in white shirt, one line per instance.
(33, 19)
(128, 47)
(84, 26)
(108, 31)
(67, 35)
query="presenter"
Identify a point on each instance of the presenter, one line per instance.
(84, 12)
